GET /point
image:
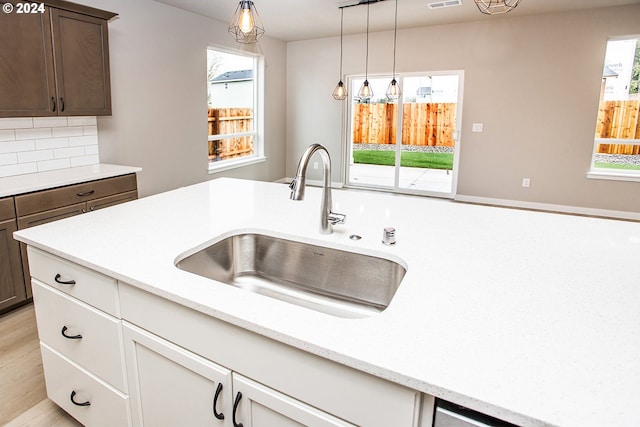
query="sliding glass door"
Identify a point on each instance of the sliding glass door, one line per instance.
(410, 146)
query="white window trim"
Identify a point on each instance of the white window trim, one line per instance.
(613, 174)
(258, 121)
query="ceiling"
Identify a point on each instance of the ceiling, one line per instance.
(292, 20)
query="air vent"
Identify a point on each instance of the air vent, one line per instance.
(446, 3)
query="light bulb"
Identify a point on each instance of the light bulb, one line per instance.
(246, 22)
(393, 91)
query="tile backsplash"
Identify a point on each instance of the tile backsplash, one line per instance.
(37, 144)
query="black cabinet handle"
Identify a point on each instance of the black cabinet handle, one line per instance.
(63, 282)
(53, 103)
(219, 416)
(86, 193)
(235, 408)
(61, 104)
(71, 337)
(73, 394)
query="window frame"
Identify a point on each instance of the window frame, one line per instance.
(258, 155)
(613, 173)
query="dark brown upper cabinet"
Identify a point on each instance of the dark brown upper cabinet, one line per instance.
(55, 62)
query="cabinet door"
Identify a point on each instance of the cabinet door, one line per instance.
(171, 387)
(258, 406)
(81, 51)
(12, 289)
(27, 76)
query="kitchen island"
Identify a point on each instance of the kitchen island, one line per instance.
(526, 316)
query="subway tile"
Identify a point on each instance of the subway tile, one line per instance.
(18, 169)
(90, 130)
(49, 122)
(91, 150)
(50, 143)
(7, 135)
(76, 141)
(16, 146)
(38, 133)
(63, 153)
(49, 165)
(84, 160)
(35, 156)
(16, 123)
(8, 159)
(83, 121)
(67, 131)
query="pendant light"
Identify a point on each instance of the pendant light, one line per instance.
(393, 90)
(495, 7)
(365, 93)
(340, 92)
(246, 25)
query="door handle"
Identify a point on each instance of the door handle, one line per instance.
(235, 409)
(71, 337)
(220, 415)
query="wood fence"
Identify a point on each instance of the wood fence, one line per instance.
(431, 124)
(224, 121)
(618, 120)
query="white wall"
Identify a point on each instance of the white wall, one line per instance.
(159, 95)
(534, 81)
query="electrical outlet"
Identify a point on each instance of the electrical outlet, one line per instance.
(315, 165)
(477, 127)
(526, 182)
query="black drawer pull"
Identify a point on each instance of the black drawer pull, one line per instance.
(73, 394)
(235, 409)
(63, 282)
(219, 416)
(71, 337)
(86, 193)
(53, 103)
(61, 104)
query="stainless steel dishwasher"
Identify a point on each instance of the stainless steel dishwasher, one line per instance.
(449, 414)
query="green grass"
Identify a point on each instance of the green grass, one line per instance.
(616, 166)
(408, 159)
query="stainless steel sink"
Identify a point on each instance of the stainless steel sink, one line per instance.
(333, 281)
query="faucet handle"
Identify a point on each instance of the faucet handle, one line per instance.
(336, 218)
(292, 184)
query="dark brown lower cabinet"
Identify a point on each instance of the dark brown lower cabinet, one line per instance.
(45, 206)
(12, 287)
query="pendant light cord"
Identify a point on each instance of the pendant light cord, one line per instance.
(341, 21)
(395, 38)
(366, 68)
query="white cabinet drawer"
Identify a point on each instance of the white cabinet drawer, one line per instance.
(86, 285)
(67, 383)
(90, 338)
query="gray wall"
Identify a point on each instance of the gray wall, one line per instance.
(533, 81)
(159, 94)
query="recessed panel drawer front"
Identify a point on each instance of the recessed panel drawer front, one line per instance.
(86, 285)
(6, 209)
(85, 397)
(40, 201)
(85, 335)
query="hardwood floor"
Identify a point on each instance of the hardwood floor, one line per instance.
(24, 399)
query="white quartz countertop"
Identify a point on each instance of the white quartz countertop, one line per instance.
(530, 317)
(20, 184)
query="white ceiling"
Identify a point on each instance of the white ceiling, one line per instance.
(292, 20)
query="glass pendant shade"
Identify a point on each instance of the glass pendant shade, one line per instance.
(340, 92)
(393, 91)
(495, 7)
(246, 25)
(365, 91)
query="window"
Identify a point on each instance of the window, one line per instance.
(410, 146)
(616, 148)
(233, 113)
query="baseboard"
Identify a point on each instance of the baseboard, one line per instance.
(547, 207)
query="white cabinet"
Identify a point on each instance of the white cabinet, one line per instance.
(172, 387)
(80, 340)
(258, 406)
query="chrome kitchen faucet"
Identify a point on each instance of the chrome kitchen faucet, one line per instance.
(327, 217)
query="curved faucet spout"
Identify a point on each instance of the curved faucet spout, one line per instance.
(327, 217)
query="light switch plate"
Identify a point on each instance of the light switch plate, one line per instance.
(477, 127)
